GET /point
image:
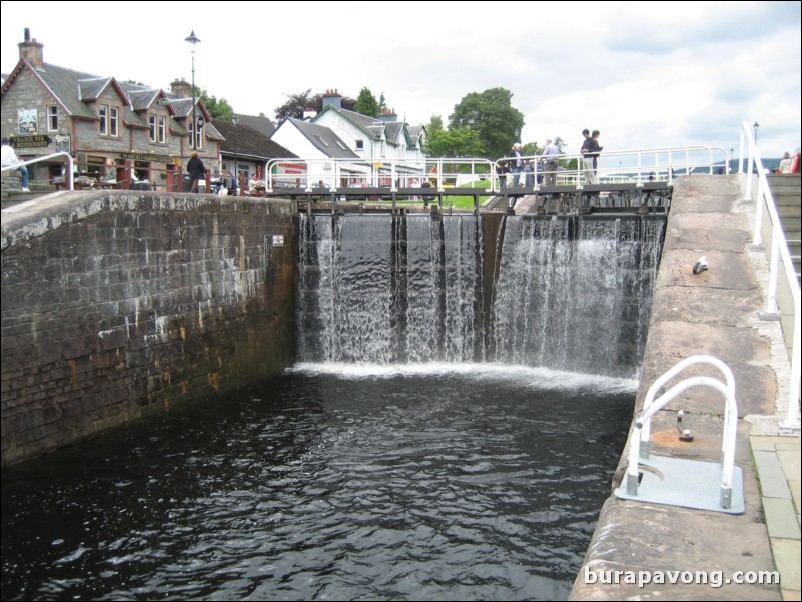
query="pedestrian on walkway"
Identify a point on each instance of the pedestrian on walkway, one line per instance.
(196, 170)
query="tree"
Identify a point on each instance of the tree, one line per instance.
(435, 124)
(456, 142)
(366, 103)
(298, 103)
(295, 106)
(492, 116)
(218, 109)
(531, 148)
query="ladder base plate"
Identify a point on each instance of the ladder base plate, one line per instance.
(685, 483)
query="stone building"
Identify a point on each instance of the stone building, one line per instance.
(120, 134)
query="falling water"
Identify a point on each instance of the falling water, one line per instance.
(570, 294)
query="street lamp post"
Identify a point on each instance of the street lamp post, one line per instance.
(235, 121)
(193, 39)
(757, 125)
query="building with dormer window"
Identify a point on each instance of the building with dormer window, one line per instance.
(117, 132)
(375, 140)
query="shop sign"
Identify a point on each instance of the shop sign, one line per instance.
(146, 157)
(30, 141)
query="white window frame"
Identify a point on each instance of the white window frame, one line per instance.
(198, 135)
(52, 118)
(114, 121)
(104, 120)
(152, 127)
(162, 129)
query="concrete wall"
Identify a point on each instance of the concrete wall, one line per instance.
(117, 305)
(712, 313)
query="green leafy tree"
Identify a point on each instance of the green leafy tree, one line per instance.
(492, 116)
(366, 103)
(531, 148)
(218, 109)
(298, 103)
(435, 124)
(456, 142)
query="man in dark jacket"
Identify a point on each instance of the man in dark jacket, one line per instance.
(196, 170)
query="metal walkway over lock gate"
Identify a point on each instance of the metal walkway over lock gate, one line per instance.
(624, 180)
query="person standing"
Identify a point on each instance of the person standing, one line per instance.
(8, 158)
(597, 148)
(785, 164)
(588, 170)
(196, 170)
(502, 170)
(529, 173)
(516, 164)
(550, 168)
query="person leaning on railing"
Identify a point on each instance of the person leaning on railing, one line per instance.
(551, 166)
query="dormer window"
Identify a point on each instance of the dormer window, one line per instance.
(109, 120)
(158, 129)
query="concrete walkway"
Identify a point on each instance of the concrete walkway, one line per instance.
(777, 460)
(721, 556)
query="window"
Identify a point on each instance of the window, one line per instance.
(113, 121)
(158, 128)
(198, 137)
(360, 144)
(109, 121)
(104, 120)
(340, 144)
(323, 142)
(52, 118)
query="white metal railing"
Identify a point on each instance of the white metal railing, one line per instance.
(778, 254)
(67, 177)
(627, 166)
(650, 408)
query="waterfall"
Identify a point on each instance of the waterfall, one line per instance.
(570, 294)
(575, 294)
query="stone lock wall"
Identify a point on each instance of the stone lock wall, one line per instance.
(117, 305)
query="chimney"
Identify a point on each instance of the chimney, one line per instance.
(332, 97)
(388, 115)
(180, 88)
(309, 113)
(31, 50)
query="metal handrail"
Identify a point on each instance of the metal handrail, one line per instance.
(655, 164)
(779, 253)
(730, 422)
(68, 176)
(679, 367)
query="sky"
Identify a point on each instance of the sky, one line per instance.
(646, 74)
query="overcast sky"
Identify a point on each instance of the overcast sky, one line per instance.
(647, 74)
